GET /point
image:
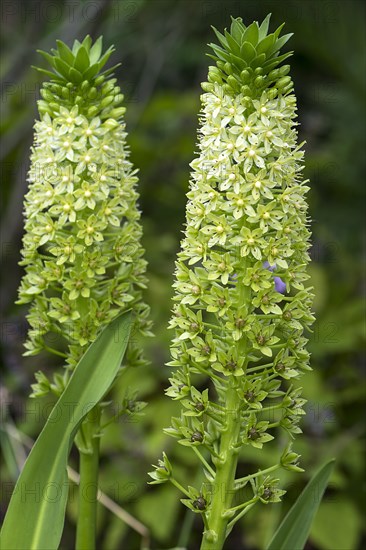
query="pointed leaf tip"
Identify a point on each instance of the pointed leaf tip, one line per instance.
(295, 527)
(263, 29)
(96, 50)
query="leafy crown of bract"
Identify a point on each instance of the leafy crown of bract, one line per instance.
(83, 62)
(247, 54)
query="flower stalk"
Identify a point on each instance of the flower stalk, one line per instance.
(88, 486)
(223, 485)
(241, 306)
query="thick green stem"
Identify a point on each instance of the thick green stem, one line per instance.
(88, 486)
(223, 487)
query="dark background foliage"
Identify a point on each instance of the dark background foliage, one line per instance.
(162, 46)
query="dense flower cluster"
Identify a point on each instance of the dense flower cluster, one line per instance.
(81, 249)
(241, 305)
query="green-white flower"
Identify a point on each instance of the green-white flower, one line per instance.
(241, 307)
(81, 249)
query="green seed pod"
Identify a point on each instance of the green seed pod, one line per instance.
(228, 68)
(284, 70)
(114, 113)
(55, 107)
(43, 107)
(118, 98)
(227, 88)
(82, 249)
(272, 93)
(92, 93)
(214, 75)
(109, 86)
(65, 92)
(283, 82)
(99, 80)
(246, 90)
(259, 81)
(106, 101)
(245, 75)
(111, 123)
(233, 83)
(207, 86)
(85, 86)
(287, 88)
(47, 95)
(92, 111)
(274, 75)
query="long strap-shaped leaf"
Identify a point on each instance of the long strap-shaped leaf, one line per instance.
(294, 530)
(36, 512)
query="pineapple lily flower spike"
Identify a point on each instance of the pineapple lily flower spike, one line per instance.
(82, 253)
(81, 250)
(239, 340)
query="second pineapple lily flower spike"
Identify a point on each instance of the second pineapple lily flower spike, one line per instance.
(82, 248)
(239, 340)
(82, 253)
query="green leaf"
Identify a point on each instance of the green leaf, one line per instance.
(54, 76)
(87, 42)
(76, 47)
(65, 53)
(251, 34)
(96, 50)
(220, 52)
(279, 43)
(294, 530)
(265, 44)
(221, 38)
(278, 30)
(258, 61)
(247, 51)
(263, 29)
(62, 67)
(103, 60)
(238, 61)
(272, 63)
(48, 57)
(237, 29)
(232, 43)
(11, 449)
(91, 72)
(75, 76)
(110, 71)
(82, 60)
(35, 519)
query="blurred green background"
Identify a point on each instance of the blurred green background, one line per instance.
(162, 46)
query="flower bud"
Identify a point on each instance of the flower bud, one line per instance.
(283, 82)
(162, 472)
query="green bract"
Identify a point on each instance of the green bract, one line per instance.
(241, 307)
(81, 249)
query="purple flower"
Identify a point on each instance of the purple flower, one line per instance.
(268, 266)
(280, 286)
